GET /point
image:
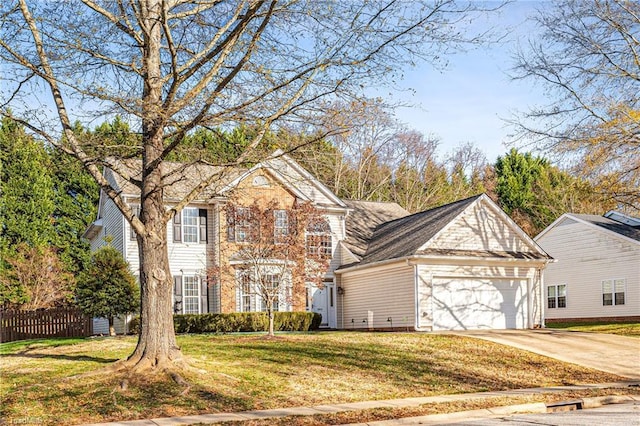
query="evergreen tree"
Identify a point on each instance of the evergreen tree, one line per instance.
(107, 288)
(27, 201)
(76, 197)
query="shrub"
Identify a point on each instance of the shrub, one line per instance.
(240, 322)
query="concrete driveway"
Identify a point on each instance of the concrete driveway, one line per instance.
(606, 352)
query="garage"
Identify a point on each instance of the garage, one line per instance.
(479, 303)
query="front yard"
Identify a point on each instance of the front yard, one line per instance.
(42, 380)
(631, 329)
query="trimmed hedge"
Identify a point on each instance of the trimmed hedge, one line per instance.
(240, 322)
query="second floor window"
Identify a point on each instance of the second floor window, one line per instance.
(242, 226)
(190, 226)
(319, 241)
(280, 225)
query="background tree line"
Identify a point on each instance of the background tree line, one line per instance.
(48, 200)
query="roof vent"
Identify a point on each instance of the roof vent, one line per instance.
(623, 218)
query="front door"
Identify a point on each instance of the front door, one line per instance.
(323, 303)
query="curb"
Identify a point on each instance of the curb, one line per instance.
(398, 403)
(599, 401)
(439, 419)
(471, 415)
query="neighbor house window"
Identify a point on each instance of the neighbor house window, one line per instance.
(319, 238)
(280, 225)
(557, 296)
(191, 295)
(190, 226)
(613, 292)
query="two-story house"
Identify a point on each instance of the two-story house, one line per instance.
(459, 266)
(203, 239)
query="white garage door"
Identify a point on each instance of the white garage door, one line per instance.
(468, 304)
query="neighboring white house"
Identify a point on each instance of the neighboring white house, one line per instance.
(597, 274)
(464, 265)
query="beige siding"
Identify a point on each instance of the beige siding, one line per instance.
(479, 228)
(112, 226)
(305, 185)
(585, 257)
(373, 296)
(428, 272)
(337, 234)
(184, 258)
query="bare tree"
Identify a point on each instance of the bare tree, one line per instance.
(588, 60)
(42, 277)
(170, 66)
(277, 255)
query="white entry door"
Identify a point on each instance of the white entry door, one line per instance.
(323, 303)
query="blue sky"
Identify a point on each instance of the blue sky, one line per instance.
(469, 100)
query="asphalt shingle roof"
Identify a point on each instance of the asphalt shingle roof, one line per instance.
(364, 218)
(611, 225)
(403, 237)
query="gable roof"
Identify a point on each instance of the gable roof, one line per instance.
(411, 235)
(292, 176)
(363, 218)
(403, 237)
(180, 178)
(601, 223)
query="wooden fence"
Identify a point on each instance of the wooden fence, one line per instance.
(43, 323)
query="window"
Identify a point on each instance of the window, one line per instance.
(260, 181)
(190, 226)
(319, 238)
(245, 226)
(191, 295)
(280, 225)
(613, 292)
(557, 296)
(271, 284)
(250, 294)
(132, 233)
(247, 295)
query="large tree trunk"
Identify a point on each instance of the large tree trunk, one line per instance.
(157, 345)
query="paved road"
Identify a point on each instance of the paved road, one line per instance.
(606, 352)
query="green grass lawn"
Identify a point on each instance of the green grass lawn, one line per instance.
(44, 379)
(631, 329)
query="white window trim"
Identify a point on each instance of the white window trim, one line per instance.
(557, 295)
(613, 291)
(256, 302)
(185, 225)
(280, 231)
(196, 280)
(318, 247)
